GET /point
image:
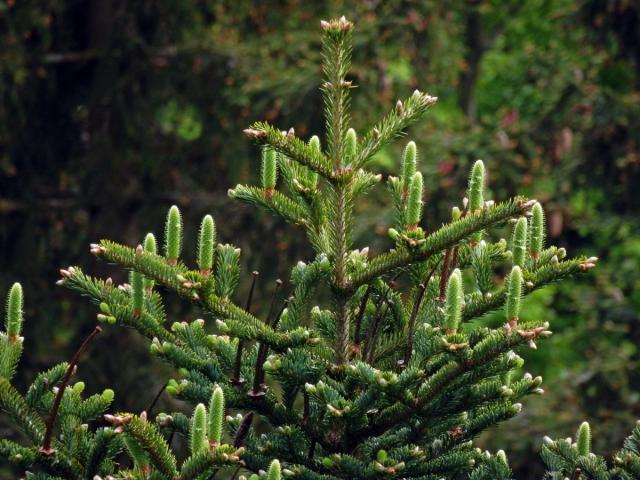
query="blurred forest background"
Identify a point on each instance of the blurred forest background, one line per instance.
(111, 111)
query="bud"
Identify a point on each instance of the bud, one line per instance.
(583, 439)
(173, 235)
(514, 292)
(456, 214)
(350, 146)
(399, 108)
(198, 434)
(312, 177)
(206, 242)
(409, 162)
(476, 187)
(414, 202)
(393, 234)
(500, 455)
(455, 297)
(216, 415)
(107, 395)
(150, 246)
(536, 242)
(269, 170)
(476, 193)
(274, 472)
(14, 316)
(519, 242)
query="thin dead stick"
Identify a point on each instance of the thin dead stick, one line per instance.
(258, 378)
(361, 310)
(412, 322)
(155, 400)
(46, 444)
(444, 276)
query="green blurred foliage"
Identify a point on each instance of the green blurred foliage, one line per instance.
(110, 111)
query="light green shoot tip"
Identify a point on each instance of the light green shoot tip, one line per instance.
(216, 415)
(514, 293)
(453, 305)
(519, 247)
(173, 234)
(350, 146)
(150, 246)
(476, 187)
(15, 305)
(414, 203)
(206, 243)
(584, 439)
(198, 437)
(409, 162)
(274, 472)
(537, 234)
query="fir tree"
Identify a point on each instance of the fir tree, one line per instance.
(390, 379)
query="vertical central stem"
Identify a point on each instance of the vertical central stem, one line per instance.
(343, 315)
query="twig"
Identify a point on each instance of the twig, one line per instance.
(361, 310)
(46, 444)
(155, 400)
(243, 430)
(258, 377)
(412, 323)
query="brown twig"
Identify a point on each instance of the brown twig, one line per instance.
(46, 444)
(243, 430)
(258, 377)
(444, 276)
(361, 310)
(155, 400)
(412, 322)
(372, 330)
(414, 313)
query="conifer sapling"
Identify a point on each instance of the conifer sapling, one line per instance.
(368, 364)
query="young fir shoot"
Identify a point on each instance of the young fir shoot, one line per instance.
(173, 235)
(198, 431)
(216, 416)
(14, 314)
(149, 246)
(409, 161)
(519, 247)
(536, 231)
(206, 244)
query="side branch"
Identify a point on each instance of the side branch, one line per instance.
(441, 239)
(278, 203)
(292, 147)
(534, 280)
(240, 323)
(405, 113)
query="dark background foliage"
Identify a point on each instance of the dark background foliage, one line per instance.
(111, 111)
